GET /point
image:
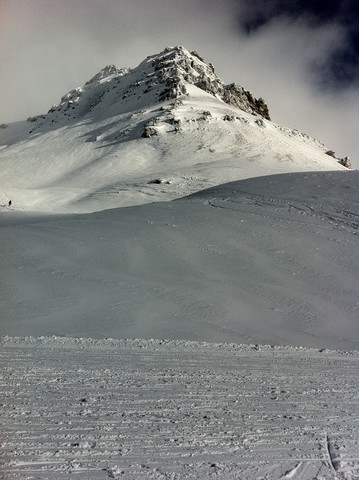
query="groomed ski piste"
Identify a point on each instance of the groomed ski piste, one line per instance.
(100, 409)
(179, 288)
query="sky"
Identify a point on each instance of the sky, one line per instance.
(301, 56)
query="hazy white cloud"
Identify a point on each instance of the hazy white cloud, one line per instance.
(49, 47)
(277, 62)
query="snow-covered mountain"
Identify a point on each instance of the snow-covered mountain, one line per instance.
(267, 266)
(162, 130)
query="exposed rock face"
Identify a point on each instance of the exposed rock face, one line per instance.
(237, 96)
(149, 132)
(346, 162)
(177, 66)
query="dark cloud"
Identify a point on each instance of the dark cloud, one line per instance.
(340, 67)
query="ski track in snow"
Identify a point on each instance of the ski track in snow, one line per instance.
(99, 409)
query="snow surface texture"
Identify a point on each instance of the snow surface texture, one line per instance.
(85, 409)
(163, 130)
(269, 260)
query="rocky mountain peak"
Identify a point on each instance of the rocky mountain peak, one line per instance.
(160, 77)
(176, 66)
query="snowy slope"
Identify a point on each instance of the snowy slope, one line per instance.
(176, 410)
(269, 260)
(88, 152)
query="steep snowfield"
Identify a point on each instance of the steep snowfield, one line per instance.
(84, 409)
(267, 260)
(88, 154)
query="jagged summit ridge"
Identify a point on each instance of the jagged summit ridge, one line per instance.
(177, 66)
(158, 78)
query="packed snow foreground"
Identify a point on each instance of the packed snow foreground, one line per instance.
(268, 261)
(100, 409)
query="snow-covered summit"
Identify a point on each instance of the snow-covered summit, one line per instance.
(160, 77)
(162, 130)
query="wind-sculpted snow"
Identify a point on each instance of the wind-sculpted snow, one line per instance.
(329, 195)
(271, 260)
(132, 409)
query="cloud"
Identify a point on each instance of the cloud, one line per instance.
(277, 63)
(51, 46)
(340, 67)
